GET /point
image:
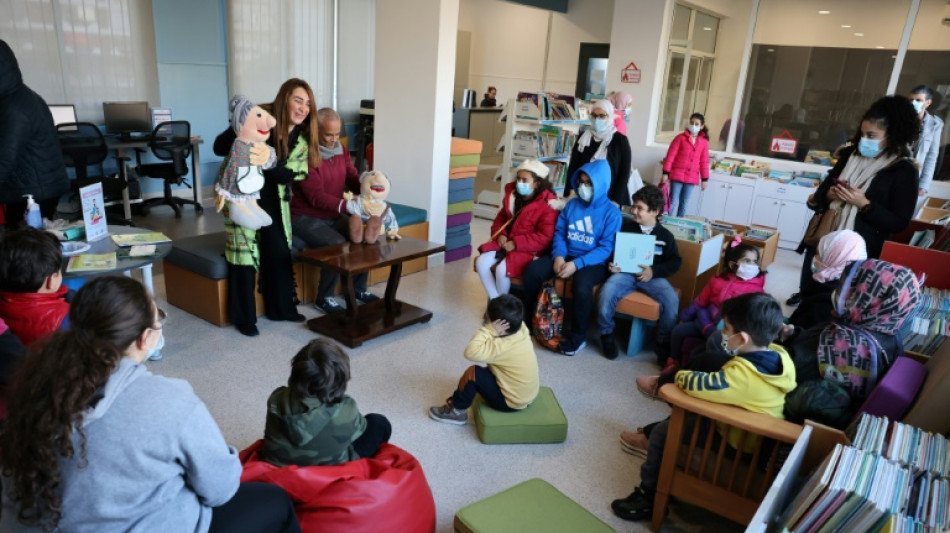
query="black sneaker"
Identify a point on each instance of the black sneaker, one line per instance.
(636, 507)
(329, 306)
(248, 329)
(609, 345)
(567, 347)
(366, 297)
(794, 299)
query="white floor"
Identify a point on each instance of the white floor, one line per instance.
(402, 374)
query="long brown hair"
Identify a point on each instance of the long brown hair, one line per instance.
(52, 388)
(310, 128)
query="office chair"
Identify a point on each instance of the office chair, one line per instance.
(170, 141)
(83, 145)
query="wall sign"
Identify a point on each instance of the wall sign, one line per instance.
(784, 144)
(630, 73)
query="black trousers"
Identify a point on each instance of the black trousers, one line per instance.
(277, 267)
(582, 289)
(479, 380)
(378, 430)
(256, 508)
(317, 232)
(809, 255)
(241, 305)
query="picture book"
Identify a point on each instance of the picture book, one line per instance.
(634, 250)
(132, 239)
(93, 212)
(91, 262)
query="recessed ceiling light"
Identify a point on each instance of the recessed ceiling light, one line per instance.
(845, 25)
(858, 34)
(707, 28)
(824, 12)
(770, 50)
(879, 47)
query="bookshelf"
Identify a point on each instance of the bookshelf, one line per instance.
(530, 133)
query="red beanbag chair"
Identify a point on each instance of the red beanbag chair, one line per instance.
(388, 492)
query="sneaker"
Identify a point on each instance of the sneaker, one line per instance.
(448, 414)
(569, 348)
(635, 443)
(636, 507)
(329, 306)
(155, 356)
(248, 329)
(794, 299)
(366, 297)
(609, 345)
(648, 386)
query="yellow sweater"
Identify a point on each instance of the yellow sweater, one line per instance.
(511, 360)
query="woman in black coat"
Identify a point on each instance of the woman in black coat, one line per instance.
(603, 141)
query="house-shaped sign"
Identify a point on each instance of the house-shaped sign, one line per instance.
(630, 73)
(784, 143)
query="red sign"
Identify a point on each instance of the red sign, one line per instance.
(630, 73)
(784, 144)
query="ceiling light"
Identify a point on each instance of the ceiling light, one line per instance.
(707, 28)
(858, 34)
(845, 25)
(879, 47)
(770, 50)
(824, 12)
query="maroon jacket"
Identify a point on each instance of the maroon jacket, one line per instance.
(685, 162)
(320, 195)
(532, 231)
(32, 315)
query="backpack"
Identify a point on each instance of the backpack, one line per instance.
(548, 317)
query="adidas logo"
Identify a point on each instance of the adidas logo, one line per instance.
(581, 231)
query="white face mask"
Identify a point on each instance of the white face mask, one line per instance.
(725, 345)
(599, 124)
(747, 272)
(586, 192)
(918, 106)
(694, 129)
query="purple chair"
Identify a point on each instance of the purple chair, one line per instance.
(895, 393)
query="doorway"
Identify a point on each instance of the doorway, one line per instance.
(592, 71)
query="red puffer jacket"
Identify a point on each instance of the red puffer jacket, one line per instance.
(532, 230)
(686, 162)
(32, 315)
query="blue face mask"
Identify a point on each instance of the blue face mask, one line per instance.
(725, 345)
(600, 124)
(586, 192)
(918, 106)
(524, 189)
(694, 129)
(869, 147)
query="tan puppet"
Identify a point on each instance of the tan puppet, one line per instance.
(370, 208)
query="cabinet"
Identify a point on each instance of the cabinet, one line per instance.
(727, 201)
(789, 217)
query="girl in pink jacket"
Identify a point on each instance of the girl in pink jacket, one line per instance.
(687, 163)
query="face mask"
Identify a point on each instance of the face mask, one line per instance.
(586, 192)
(626, 112)
(725, 345)
(160, 344)
(600, 124)
(694, 129)
(747, 271)
(524, 189)
(869, 147)
(918, 106)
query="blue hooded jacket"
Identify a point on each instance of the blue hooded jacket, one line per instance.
(586, 231)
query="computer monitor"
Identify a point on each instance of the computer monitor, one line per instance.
(63, 114)
(126, 118)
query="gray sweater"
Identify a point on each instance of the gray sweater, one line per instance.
(157, 461)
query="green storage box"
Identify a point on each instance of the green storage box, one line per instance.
(529, 507)
(541, 422)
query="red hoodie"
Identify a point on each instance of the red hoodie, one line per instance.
(33, 315)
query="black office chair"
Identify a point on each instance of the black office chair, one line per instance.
(170, 141)
(83, 145)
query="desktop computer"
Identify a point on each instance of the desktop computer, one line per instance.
(126, 118)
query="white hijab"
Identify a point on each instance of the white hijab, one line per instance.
(603, 137)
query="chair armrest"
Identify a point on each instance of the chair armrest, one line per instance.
(737, 417)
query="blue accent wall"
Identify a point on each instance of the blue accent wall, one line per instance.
(553, 5)
(192, 53)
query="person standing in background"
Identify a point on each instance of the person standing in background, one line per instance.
(687, 164)
(31, 161)
(621, 101)
(489, 99)
(602, 141)
(927, 149)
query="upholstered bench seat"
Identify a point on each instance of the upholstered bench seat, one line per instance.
(534, 506)
(541, 422)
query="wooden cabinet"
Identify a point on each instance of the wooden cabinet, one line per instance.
(727, 201)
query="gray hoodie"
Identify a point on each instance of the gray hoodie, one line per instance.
(157, 461)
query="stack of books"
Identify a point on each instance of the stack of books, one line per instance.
(557, 173)
(550, 106)
(893, 478)
(929, 324)
(757, 234)
(687, 228)
(548, 141)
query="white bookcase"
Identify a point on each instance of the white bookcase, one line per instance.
(520, 117)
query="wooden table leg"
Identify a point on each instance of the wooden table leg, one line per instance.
(395, 273)
(349, 293)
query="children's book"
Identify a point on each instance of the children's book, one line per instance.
(91, 262)
(132, 239)
(633, 250)
(93, 212)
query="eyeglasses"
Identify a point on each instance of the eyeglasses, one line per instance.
(598, 115)
(162, 317)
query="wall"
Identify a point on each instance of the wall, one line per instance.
(357, 47)
(191, 51)
(507, 47)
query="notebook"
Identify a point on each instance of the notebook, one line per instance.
(634, 249)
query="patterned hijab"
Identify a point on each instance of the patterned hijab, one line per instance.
(875, 296)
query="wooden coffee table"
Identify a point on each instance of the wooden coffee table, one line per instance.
(362, 322)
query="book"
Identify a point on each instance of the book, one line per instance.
(633, 250)
(132, 239)
(93, 212)
(137, 251)
(92, 262)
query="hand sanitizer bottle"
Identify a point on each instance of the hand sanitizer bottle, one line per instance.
(33, 217)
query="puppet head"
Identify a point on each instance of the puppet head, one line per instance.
(249, 121)
(374, 184)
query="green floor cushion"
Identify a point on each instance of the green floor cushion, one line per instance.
(542, 421)
(532, 506)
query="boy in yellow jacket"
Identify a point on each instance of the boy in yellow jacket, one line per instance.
(757, 378)
(510, 382)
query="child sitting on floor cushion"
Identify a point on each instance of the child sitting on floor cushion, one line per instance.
(757, 378)
(510, 382)
(312, 421)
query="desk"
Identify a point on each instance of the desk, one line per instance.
(106, 245)
(361, 323)
(121, 145)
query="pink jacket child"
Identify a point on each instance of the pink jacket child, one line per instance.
(687, 162)
(704, 311)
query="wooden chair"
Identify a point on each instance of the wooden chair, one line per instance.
(708, 478)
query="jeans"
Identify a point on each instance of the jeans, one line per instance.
(680, 193)
(479, 380)
(317, 232)
(583, 283)
(622, 284)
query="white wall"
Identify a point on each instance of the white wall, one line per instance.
(357, 46)
(508, 41)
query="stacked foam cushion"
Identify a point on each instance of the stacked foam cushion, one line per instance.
(463, 166)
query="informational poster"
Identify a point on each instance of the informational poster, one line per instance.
(784, 143)
(94, 212)
(630, 73)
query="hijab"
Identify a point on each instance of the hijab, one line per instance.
(875, 297)
(835, 251)
(603, 137)
(620, 100)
